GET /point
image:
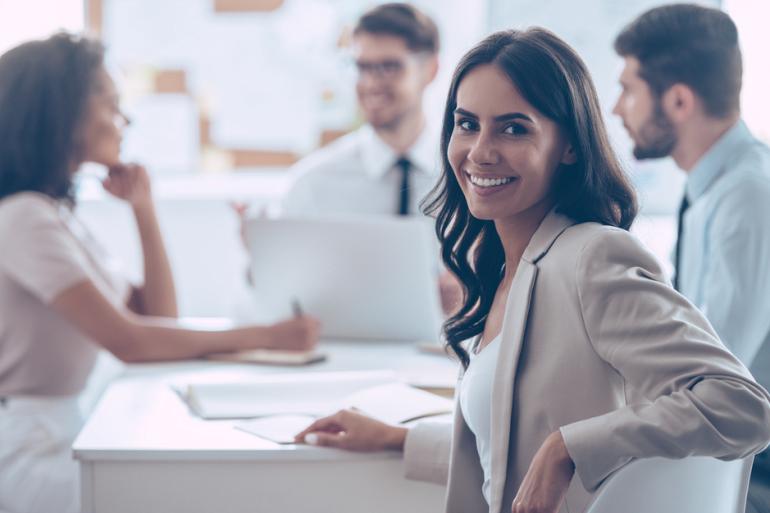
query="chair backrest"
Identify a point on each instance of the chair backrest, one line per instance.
(689, 485)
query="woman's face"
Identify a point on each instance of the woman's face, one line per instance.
(102, 126)
(503, 151)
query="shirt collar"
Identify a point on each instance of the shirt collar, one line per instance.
(546, 234)
(379, 158)
(712, 164)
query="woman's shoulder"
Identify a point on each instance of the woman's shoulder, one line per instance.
(28, 199)
(25, 208)
(589, 235)
(594, 244)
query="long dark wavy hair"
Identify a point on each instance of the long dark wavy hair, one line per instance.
(44, 89)
(552, 78)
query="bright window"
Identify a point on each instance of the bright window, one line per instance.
(21, 20)
(751, 18)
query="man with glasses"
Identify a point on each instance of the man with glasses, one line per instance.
(391, 162)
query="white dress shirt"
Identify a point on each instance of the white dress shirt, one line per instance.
(725, 261)
(356, 175)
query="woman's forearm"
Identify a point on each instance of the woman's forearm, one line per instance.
(138, 338)
(158, 295)
(159, 339)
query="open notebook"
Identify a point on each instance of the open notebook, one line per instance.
(378, 394)
(270, 357)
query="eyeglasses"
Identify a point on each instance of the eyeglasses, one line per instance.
(383, 70)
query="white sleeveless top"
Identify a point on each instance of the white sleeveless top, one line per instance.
(476, 401)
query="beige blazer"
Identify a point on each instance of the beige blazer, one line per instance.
(597, 344)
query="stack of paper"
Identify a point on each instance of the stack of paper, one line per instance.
(378, 394)
(276, 394)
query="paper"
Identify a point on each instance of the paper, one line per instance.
(299, 393)
(378, 394)
(396, 403)
(279, 429)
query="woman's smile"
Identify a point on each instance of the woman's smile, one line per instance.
(484, 185)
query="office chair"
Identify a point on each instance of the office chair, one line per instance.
(689, 485)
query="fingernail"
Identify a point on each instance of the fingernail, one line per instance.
(311, 439)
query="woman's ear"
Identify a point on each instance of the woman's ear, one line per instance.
(569, 156)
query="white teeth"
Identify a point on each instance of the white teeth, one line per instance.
(488, 182)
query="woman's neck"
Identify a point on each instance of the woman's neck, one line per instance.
(516, 232)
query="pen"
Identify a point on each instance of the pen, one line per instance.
(296, 308)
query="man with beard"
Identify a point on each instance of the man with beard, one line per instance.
(388, 165)
(680, 98)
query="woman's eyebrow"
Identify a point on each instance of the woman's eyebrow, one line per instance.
(501, 118)
(512, 116)
(463, 112)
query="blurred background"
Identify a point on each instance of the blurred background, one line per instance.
(224, 95)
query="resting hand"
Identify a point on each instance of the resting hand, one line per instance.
(547, 480)
(129, 182)
(451, 291)
(353, 431)
(295, 334)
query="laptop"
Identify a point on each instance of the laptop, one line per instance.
(364, 278)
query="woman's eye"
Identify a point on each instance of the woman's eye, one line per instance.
(515, 129)
(465, 124)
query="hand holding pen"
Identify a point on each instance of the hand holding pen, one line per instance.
(300, 333)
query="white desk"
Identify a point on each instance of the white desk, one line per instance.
(143, 451)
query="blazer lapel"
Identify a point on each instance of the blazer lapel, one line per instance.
(512, 337)
(514, 325)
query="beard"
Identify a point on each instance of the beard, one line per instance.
(656, 137)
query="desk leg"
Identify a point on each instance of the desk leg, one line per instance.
(87, 487)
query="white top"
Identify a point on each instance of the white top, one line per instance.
(476, 403)
(45, 251)
(356, 175)
(726, 245)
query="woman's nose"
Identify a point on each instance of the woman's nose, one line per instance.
(483, 151)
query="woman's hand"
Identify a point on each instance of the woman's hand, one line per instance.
(353, 431)
(451, 291)
(296, 334)
(547, 480)
(129, 182)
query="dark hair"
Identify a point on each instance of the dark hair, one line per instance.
(44, 88)
(688, 44)
(404, 21)
(555, 81)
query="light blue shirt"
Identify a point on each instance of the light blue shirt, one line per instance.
(725, 263)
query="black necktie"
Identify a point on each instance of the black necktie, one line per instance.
(679, 231)
(403, 191)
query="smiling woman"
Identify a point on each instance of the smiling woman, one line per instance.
(583, 357)
(552, 145)
(504, 163)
